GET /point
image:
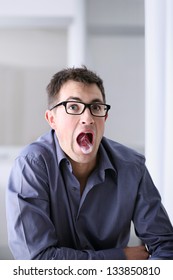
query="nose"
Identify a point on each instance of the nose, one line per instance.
(86, 117)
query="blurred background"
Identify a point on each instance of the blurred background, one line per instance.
(113, 38)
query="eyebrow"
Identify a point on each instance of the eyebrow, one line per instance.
(96, 100)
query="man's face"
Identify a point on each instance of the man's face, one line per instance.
(79, 135)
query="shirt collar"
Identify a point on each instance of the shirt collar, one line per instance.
(60, 153)
(105, 162)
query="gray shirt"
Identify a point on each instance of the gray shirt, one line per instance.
(47, 217)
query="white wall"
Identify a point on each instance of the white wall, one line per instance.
(115, 49)
(30, 8)
(27, 61)
(32, 52)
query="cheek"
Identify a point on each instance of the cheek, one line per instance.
(64, 129)
(101, 127)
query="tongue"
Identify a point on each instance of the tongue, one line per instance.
(84, 143)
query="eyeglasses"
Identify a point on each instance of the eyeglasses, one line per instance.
(77, 108)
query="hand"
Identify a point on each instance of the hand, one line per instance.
(136, 253)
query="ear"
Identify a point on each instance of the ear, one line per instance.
(50, 118)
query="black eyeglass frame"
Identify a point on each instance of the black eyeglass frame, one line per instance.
(86, 105)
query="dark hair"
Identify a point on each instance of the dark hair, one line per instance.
(82, 75)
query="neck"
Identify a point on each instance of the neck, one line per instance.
(82, 171)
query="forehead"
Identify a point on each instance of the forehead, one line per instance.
(85, 92)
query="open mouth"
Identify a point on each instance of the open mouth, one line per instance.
(85, 142)
(85, 137)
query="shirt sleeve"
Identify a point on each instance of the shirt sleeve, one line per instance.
(31, 232)
(151, 221)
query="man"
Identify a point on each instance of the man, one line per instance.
(73, 193)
